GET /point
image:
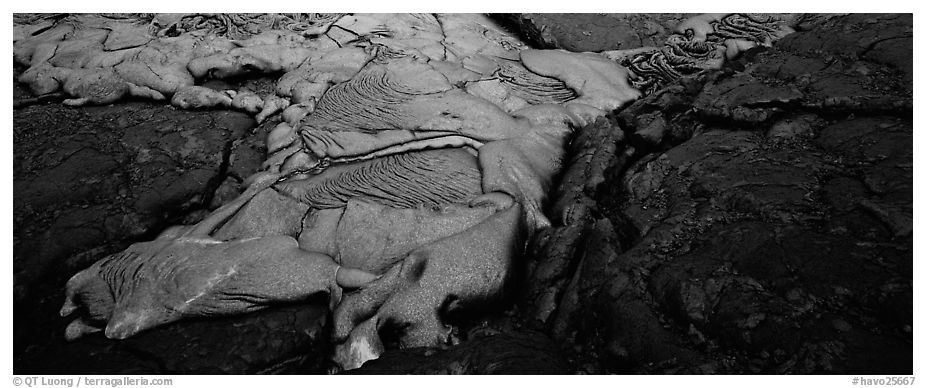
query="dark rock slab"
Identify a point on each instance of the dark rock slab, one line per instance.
(593, 31)
(761, 295)
(880, 38)
(793, 297)
(550, 262)
(760, 220)
(829, 69)
(89, 181)
(84, 177)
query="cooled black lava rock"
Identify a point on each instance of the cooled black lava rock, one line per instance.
(763, 223)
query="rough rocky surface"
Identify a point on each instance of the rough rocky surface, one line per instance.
(86, 177)
(762, 222)
(89, 181)
(755, 219)
(592, 32)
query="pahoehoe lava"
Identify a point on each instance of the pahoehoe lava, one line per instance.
(439, 193)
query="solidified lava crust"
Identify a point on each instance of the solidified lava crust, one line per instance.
(750, 219)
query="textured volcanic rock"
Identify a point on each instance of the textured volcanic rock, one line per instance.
(373, 237)
(443, 277)
(101, 58)
(86, 177)
(593, 32)
(99, 65)
(756, 219)
(113, 159)
(751, 219)
(431, 178)
(594, 151)
(87, 181)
